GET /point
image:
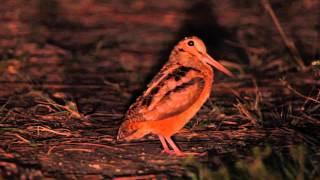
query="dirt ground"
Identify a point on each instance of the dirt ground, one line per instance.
(70, 69)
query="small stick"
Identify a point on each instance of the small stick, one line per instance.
(151, 176)
(41, 128)
(298, 93)
(20, 137)
(97, 145)
(79, 149)
(288, 42)
(51, 149)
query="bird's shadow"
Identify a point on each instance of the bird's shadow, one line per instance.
(200, 21)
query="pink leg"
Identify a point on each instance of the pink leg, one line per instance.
(164, 145)
(178, 151)
(174, 147)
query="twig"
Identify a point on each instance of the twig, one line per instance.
(51, 149)
(97, 145)
(93, 145)
(258, 98)
(79, 149)
(4, 105)
(245, 112)
(41, 128)
(288, 42)
(20, 137)
(69, 107)
(152, 176)
(298, 93)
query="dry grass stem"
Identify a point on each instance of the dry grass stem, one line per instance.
(285, 83)
(79, 149)
(44, 129)
(287, 41)
(19, 137)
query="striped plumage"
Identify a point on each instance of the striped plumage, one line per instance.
(174, 96)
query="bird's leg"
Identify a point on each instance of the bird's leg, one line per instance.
(174, 147)
(178, 151)
(165, 146)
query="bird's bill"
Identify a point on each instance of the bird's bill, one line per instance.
(217, 65)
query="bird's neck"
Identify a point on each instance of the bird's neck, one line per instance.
(205, 69)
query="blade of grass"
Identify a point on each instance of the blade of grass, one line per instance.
(287, 41)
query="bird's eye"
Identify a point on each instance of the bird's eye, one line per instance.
(190, 43)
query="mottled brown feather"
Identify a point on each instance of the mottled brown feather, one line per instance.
(176, 100)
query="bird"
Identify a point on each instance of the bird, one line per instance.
(173, 96)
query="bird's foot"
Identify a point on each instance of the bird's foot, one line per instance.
(170, 152)
(182, 154)
(190, 154)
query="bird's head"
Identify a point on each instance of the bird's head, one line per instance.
(195, 46)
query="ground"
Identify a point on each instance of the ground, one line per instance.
(70, 69)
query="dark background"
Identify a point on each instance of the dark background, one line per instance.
(70, 69)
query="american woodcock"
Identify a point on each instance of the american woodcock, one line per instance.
(174, 95)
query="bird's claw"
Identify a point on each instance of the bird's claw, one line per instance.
(182, 154)
(170, 152)
(191, 154)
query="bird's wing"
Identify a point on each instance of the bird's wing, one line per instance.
(171, 92)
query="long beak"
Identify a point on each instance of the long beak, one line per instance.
(208, 59)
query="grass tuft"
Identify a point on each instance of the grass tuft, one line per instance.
(296, 162)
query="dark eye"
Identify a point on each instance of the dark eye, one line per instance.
(190, 43)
